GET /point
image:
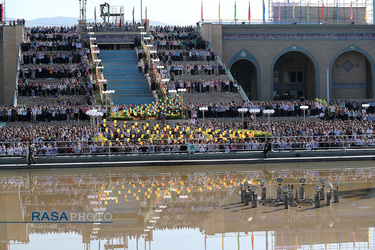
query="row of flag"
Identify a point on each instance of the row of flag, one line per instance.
(279, 12)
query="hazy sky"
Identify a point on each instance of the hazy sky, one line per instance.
(168, 11)
(183, 12)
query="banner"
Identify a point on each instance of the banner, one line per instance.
(322, 11)
(351, 11)
(279, 12)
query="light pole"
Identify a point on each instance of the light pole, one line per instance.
(365, 106)
(242, 111)
(255, 112)
(269, 112)
(104, 83)
(97, 61)
(108, 93)
(172, 92)
(94, 118)
(164, 83)
(91, 114)
(182, 91)
(304, 107)
(97, 115)
(203, 109)
(142, 33)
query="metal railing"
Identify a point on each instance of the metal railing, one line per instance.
(240, 89)
(139, 146)
(100, 28)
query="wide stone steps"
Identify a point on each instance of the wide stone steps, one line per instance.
(121, 72)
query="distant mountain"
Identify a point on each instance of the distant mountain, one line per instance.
(68, 21)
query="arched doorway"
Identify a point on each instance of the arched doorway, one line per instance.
(246, 74)
(352, 76)
(294, 77)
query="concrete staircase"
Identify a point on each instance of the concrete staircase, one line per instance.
(121, 72)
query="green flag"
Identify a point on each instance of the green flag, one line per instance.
(308, 14)
(235, 11)
(109, 14)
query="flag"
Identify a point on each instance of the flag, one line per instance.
(264, 12)
(95, 14)
(337, 11)
(365, 11)
(120, 20)
(201, 10)
(222, 241)
(146, 17)
(322, 10)
(109, 13)
(351, 11)
(219, 12)
(249, 16)
(294, 7)
(279, 11)
(238, 242)
(2, 12)
(133, 16)
(308, 12)
(235, 11)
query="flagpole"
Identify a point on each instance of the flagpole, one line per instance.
(141, 13)
(4, 12)
(80, 9)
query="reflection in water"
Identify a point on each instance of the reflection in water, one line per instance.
(144, 202)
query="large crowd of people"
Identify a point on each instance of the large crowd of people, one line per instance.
(209, 86)
(181, 52)
(49, 72)
(186, 55)
(173, 37)
(54, 62)
(338, 110)
(55, 71)
(67, 86)
(185, 137)
(53, 57)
